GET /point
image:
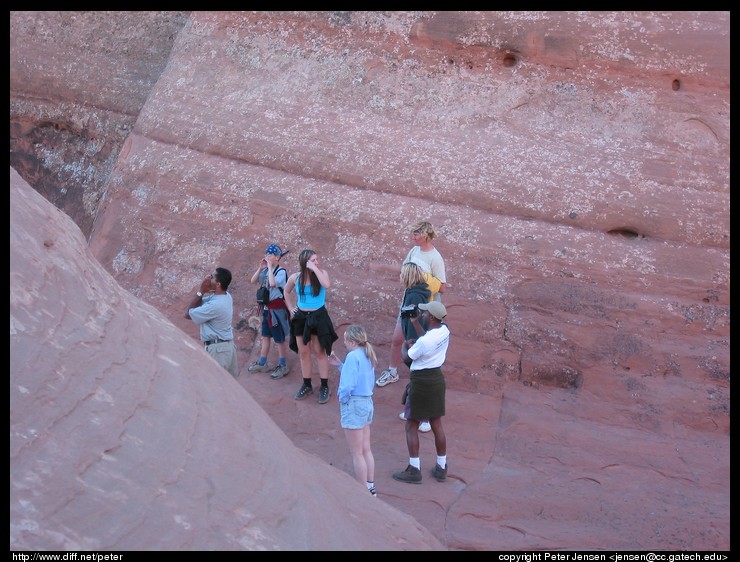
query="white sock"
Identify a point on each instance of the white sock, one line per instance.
(442, 461)
(415, 462)
(393, 370)
(370, 485)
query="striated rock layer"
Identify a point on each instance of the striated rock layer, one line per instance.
(576, 166)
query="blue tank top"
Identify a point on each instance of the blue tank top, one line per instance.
(306, 301)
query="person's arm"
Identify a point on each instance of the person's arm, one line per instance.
(335, 360)
(197, 300)
(416, 349)
(271, 262)
(322, 275)
(437, 268)
(347, 379)
(256, 275)
(289, 293)
(418, 328)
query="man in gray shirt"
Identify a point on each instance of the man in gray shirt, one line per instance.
(212, 308)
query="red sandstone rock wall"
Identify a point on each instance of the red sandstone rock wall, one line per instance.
(576, 166)
(78, 81)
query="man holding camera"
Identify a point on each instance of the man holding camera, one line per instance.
(427, 389)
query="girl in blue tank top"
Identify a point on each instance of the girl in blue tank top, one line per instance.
(311, 328)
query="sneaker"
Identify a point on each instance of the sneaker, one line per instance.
(372, 491)
(280, 371)
(324, 394)
(402, 416)
(387, 377)
(412, 475)
(425, 426)
(439, 473)
(303, 392)
(256, 367)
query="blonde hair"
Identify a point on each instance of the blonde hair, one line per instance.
(412, 274)
(356, 333)
(424, 227)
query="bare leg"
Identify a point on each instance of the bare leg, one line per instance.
(412, 437)
(282, 349)
(304, 356)
(322, 359)
(440, 439)
(396, 343)
(265, 347)
(368, 454)
(355, 438)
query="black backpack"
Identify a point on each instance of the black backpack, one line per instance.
(263, 293)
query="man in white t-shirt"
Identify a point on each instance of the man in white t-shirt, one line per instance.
(427, 390)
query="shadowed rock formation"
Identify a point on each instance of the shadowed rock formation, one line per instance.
(575, 164)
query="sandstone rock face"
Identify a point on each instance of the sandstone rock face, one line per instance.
(576, 167)
(78, 82)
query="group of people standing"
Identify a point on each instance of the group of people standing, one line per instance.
(295, 316)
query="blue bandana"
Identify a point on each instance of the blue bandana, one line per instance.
(275, 249)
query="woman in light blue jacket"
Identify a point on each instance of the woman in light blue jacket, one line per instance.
(355, 395)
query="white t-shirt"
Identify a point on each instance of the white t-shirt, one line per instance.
(430, 261)
(430, 350)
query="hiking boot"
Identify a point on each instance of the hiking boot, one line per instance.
(386, 377)
(303, 392)
(324, 394)
(411, 475)
(280, 371)
(425, 426)
(256, 367)
(439, 473)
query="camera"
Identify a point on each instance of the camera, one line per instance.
(409, 311)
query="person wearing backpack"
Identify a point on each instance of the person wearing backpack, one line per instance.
(275, 319)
